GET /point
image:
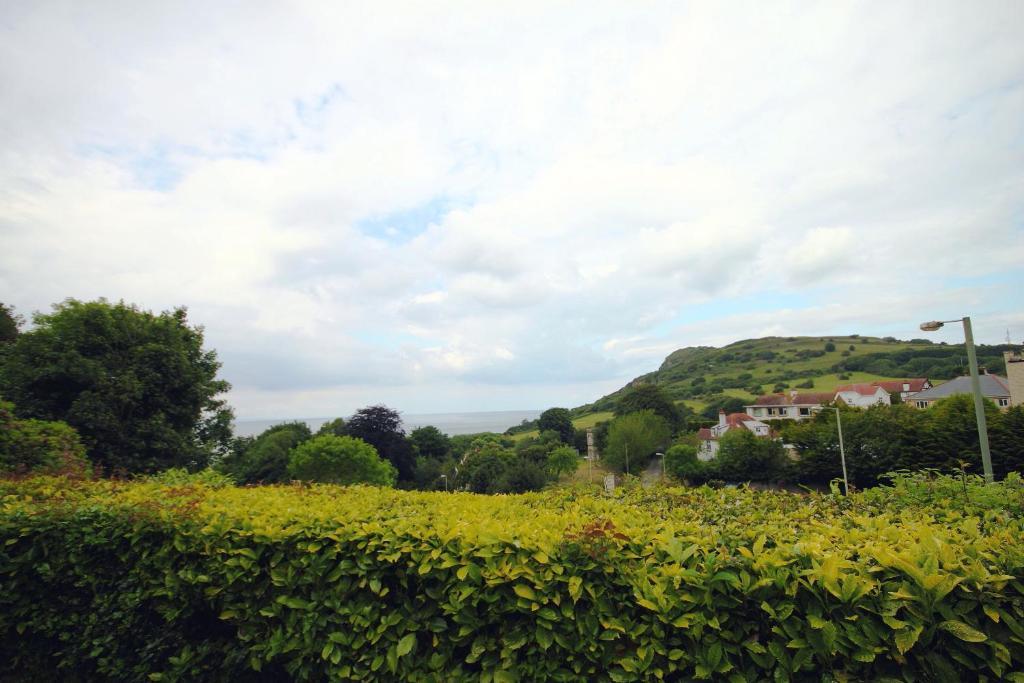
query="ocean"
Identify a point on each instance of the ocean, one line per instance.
(449, 423)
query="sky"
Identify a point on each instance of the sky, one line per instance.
(511, 205)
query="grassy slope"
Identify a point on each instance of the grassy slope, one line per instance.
(581, 422)
(682, 366)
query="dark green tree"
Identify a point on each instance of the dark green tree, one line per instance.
(557, 420)
(335, 427)
(139, 388)
(430, 442)
(10, 324)
(681, 462)
(743, 456)
(563, 460)
(654, 398)
(381, 427)
(39, 446)
(730, 404)
(264, 460)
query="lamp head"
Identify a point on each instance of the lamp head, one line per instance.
(931, 326)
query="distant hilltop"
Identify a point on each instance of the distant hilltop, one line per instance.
(706, 378)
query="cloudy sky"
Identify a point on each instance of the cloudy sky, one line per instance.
(487, 206)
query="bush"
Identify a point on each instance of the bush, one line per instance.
(39, 446)
(563, 460)
(340, 460)
(148, 583)
(179, 476)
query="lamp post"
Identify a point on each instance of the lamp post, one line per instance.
(445, 477)
(979, 403)
(842, 449)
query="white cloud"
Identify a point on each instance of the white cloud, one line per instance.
(426, 204)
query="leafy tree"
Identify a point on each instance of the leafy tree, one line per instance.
(830, 347)
(730, 404)
(430, 442)
(483, 467)
(743, 456)
(652, 397)
(521, 476)
(265, 459)
(563, 460)
(39, 446)
(139, 388)
(633, 438)
(340, 460)
(557, 420)
(335, 427)
(681, 462)
(10, 323)
(536, 449)
(381, 427)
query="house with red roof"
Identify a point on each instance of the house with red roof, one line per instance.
(904, 387)
(709, 437)
(862, 395)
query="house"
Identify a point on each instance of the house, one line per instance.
(905, 387)
(993, 387)
(862, 395)
(791, 406)
(709, 437)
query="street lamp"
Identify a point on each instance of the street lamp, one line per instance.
(842, 450)
(445, 477)
(979, 403)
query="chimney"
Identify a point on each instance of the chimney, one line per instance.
(721, 416)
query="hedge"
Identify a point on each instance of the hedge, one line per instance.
(148, 582)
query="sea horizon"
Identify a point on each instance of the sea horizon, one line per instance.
(450, 423)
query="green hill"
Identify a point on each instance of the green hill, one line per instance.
(702, 376)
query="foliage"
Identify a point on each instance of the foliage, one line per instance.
(340, 460)
(381, 427)
(139, 388)
(730, 404)
(681, 462)
(430, 442)
(10, 324)
(563, 460)
(743, 456)
(144, 582)
(654, 398)
(559, 421)
(178, 476)
(632, 439)
(264, 460)
(39, 446)
(335, 427)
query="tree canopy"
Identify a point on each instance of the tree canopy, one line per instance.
(340, 460)
(10, 323)
(654, 398)
(381, 427)
(138, 387)
(558, 420)
(633, 438)
(264, 460)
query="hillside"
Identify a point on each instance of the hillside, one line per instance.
(702, 376)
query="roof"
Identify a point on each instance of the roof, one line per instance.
(862, 389)
(704, 434)
(771, 400)
(737, 419)
(813, 398)
(992, 386)
(916, 384)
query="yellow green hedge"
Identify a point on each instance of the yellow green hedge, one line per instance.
(141, 582)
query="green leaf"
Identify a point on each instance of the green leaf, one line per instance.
(906, 638)
(963, 631)
(406, 644)
(524, 591)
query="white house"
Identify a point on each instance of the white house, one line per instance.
(862, 395)
(709, 437)
(904, 387)
(791, 406)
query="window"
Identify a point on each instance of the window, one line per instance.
(804, 412)
(1003, 402)
(922, 404)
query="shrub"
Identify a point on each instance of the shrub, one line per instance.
(308, 583)
(39, 446)
(340, 460)
(563, 460)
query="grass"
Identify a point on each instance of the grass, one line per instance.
(582, 422)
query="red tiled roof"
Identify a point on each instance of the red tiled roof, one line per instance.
(916, 384)
(737, 419)
(813, 398)
(704, 434)
(772, 400)
(862, 389)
